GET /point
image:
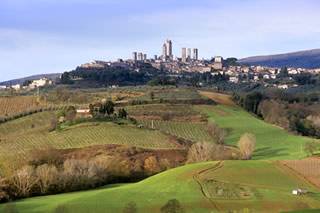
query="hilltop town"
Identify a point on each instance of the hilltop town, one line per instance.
(189, 62)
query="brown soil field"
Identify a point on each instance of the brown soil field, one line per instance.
(308, 168)
(15, 105)
(220, 98)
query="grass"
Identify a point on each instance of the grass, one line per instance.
(270, 188)
(272, 142)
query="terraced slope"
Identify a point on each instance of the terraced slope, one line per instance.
(31, 132)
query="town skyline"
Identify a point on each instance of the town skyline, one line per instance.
(49, 36)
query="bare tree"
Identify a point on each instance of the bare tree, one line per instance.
(202, 151)
(217, 133)
(24, 180)
(3, 192)
(247, 144)
(47, 175)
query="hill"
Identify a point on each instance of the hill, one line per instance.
(52, 76)
(207, 187)
(302, 59)
(272, 141)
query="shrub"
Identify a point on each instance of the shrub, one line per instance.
(172, 206)
(130, 208)
(151, 165)
(122, 113)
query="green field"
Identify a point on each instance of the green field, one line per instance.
(206, 187)
(272, 142)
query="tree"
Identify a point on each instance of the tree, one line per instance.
(47, 175)
(3, 189)
(24, 180)
(172, 206)
(283, 73)
(66, 78)
(53, 124)
(252, 101)
(311, 147)
(217, 133)
(71, 113)
(122, 113)
(202, 151)
(152, 95)
(247, 145)
(107, 107)
(130, 208)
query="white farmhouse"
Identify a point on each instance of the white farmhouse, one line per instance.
(40, 83)
(16, 87)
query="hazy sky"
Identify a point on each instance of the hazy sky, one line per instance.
(45, 36)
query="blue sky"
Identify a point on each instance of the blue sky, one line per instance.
(45, 36)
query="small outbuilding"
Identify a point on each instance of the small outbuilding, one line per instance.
(299, 191)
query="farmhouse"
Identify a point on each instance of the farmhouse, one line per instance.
(40, 83)
(84, 113)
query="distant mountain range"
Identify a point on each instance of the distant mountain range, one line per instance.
(303, 59)
(52, 76)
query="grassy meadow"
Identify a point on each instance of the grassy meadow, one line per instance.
(272, 141)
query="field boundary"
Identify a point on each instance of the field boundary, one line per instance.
(196, 177)
(287, 169)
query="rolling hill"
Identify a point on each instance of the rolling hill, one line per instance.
(227, 186)
(302, 59)
(52, 76)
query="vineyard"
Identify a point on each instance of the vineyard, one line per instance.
(32, 123)
(308, 168)
(14, 105)
(32, 132)
(171, 93)
(192, 131)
